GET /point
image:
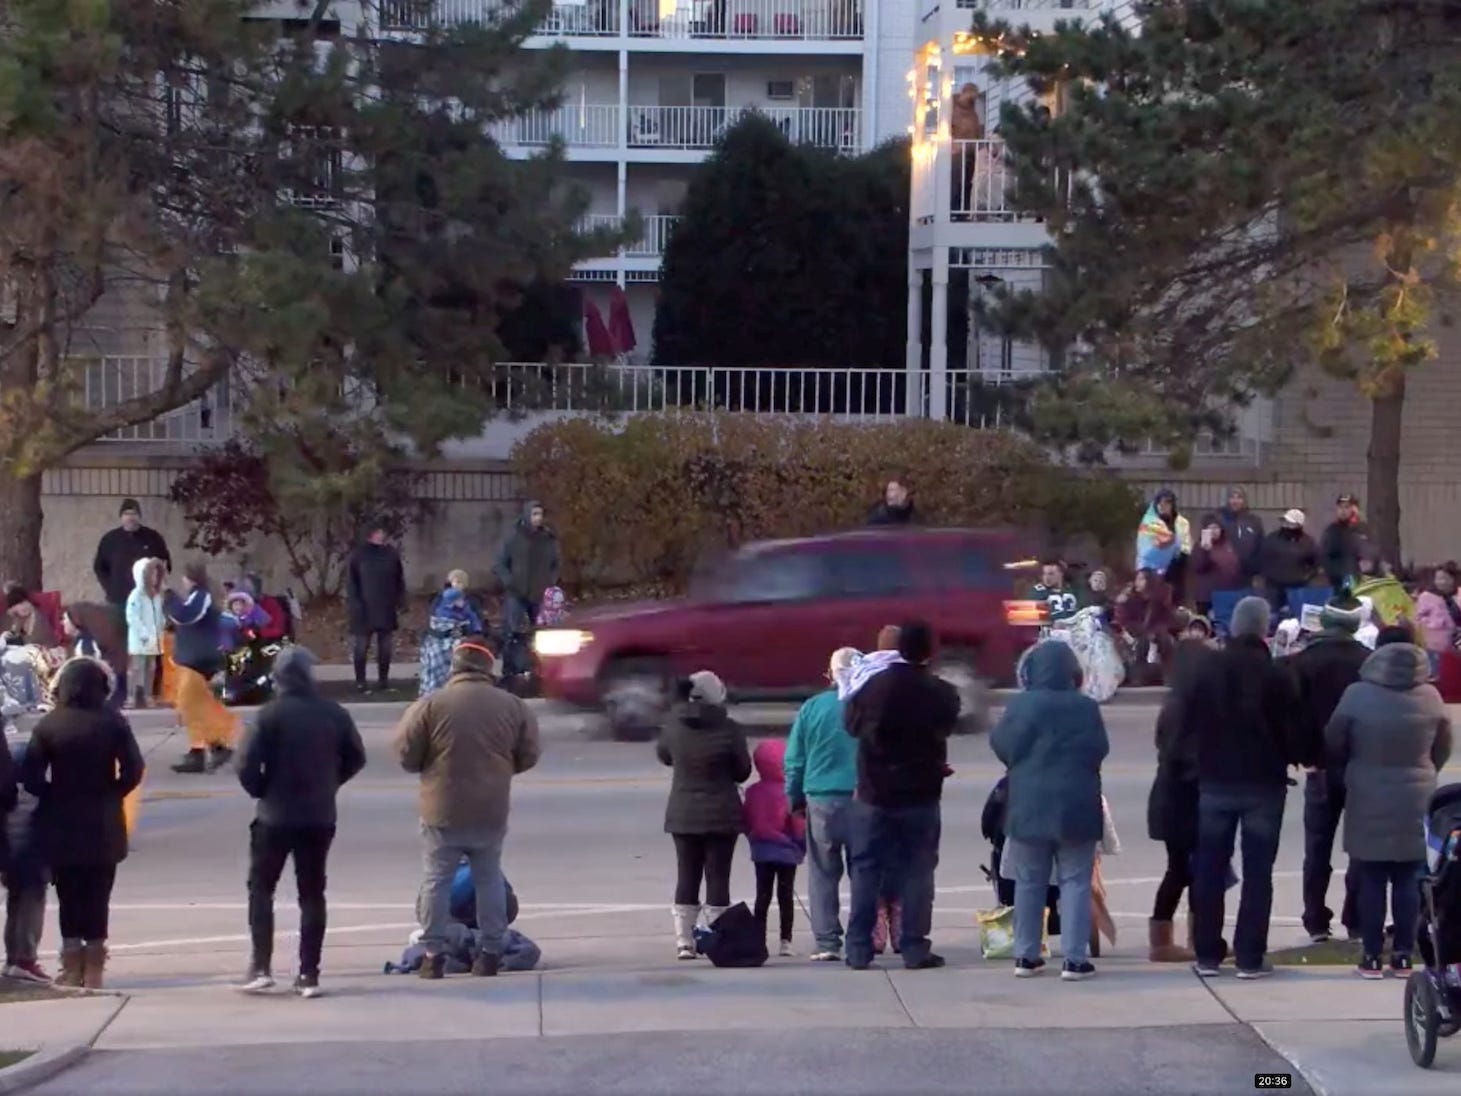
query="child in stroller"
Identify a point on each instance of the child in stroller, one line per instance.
(1433, 995)
(253, 636)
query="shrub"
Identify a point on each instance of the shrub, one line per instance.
(643, 498)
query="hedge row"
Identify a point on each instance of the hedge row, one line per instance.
(642, 498)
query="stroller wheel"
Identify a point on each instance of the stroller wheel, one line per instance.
(1422, 1018)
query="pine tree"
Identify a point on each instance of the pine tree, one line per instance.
(320, 216)
(1238, 188)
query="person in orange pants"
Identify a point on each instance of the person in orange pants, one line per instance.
(211, 727)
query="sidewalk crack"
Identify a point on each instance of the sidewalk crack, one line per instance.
(899, 998)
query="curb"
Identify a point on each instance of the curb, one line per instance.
(50, 1062)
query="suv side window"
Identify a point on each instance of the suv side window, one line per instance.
(871, 572)
(965, 567)
(779, 576)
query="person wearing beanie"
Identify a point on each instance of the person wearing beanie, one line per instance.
(1327, 666)
(466, 742)
(1342, 542)
(1243, 529)
(375, 590)
(708, 755)
(116, 557)
(303, 747)
(1391, 736)
(1289, 559)
(1242, 710)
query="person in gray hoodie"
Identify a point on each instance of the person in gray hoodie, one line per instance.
(527, 564)
(302, 748)
(1390, 736)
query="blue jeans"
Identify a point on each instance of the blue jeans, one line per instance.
(1403, 879)
(1221, 809)
(442, 850)
(826, 844)
(900, 843)
(1030, 864)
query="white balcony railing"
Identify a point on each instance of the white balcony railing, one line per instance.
(981, 181)
(748, 19)
(652, 241)
(1031, 5)
(109, 381)
(838, 128)
(591, 125)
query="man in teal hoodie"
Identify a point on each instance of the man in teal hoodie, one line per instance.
(821, 775)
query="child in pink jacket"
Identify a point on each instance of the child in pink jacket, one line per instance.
(778, 837)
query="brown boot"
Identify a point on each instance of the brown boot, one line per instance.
(94, 964)
(1162, 949)
(73, 965)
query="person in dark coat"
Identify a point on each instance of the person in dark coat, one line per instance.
(1144, 614)
(302, 749)
(116, 553)
(894, 508)
(1390, 736)
(1216, 565)
(527, 564)
(1172, 804)
(902, 718)
(1327, 666)
(1289, 561)
(1243, 529)
(375, 590)
(211, 727)
(1052, 739)
(708, 754)
(1343, 541)
(1244, 708)
(81, 762)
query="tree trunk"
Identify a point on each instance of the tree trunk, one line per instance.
(1383, 468)
(20, 529)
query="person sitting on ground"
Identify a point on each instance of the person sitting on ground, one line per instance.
(518, 952)
(1098, 589)
(452, 617)
(1390, 736)
(707, 752)
(1144, 617)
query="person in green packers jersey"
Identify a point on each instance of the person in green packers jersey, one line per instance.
(1063, 600)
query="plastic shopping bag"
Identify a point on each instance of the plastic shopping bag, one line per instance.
(997, 933)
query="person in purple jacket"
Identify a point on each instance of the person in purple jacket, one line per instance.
(778, 837)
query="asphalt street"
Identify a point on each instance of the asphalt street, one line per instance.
(594, 871)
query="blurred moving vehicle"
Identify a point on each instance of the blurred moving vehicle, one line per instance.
(765, 618)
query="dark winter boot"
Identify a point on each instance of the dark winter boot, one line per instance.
(193, 762)
(73, 964)
(485, 965)
(218, 756)
(94, 964)
(433, 967)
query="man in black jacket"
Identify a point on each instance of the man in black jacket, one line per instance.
(116, 553)
(901, 718)
(1243, 708)
(895, 507)
(1288, 560)
(1342, 541)
(302, 748)
(375, 589)
(1325, 668)
(1244, 530)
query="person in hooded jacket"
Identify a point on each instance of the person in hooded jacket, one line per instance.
(1243, 707)
(1328, 665)
(302, 749)
(1343, 541)
(1164, 543)
(1052, 740)
(1216, 565)
(211, 727)
(527, 564)
(1390, 736)
(778, 839)
(703, 815)
(82, 761)
(375, 590)
(1243, 529)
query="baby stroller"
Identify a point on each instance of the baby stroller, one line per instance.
(1433, 995)
(991, 824)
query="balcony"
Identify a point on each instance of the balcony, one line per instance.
(836, 128)
(1030, 5)
(785, 20)
(746, 20)
(591, 125)
(651, 243)
(109, 381)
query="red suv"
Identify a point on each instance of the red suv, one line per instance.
(767, 617)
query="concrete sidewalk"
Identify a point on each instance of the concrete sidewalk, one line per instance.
(1342, 1035)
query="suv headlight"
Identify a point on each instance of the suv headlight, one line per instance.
(560, 642)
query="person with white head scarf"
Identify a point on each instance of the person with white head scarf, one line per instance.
(821, 775)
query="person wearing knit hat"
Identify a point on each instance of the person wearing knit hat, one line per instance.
(1241, 708)
(1327, 666)
(116, 558)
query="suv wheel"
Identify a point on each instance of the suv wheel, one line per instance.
(959, 669)
(635, 693)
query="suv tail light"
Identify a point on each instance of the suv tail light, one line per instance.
(1026, 614)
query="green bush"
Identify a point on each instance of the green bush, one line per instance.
(642, 498)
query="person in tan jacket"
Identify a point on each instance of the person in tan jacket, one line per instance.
(467, 741)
